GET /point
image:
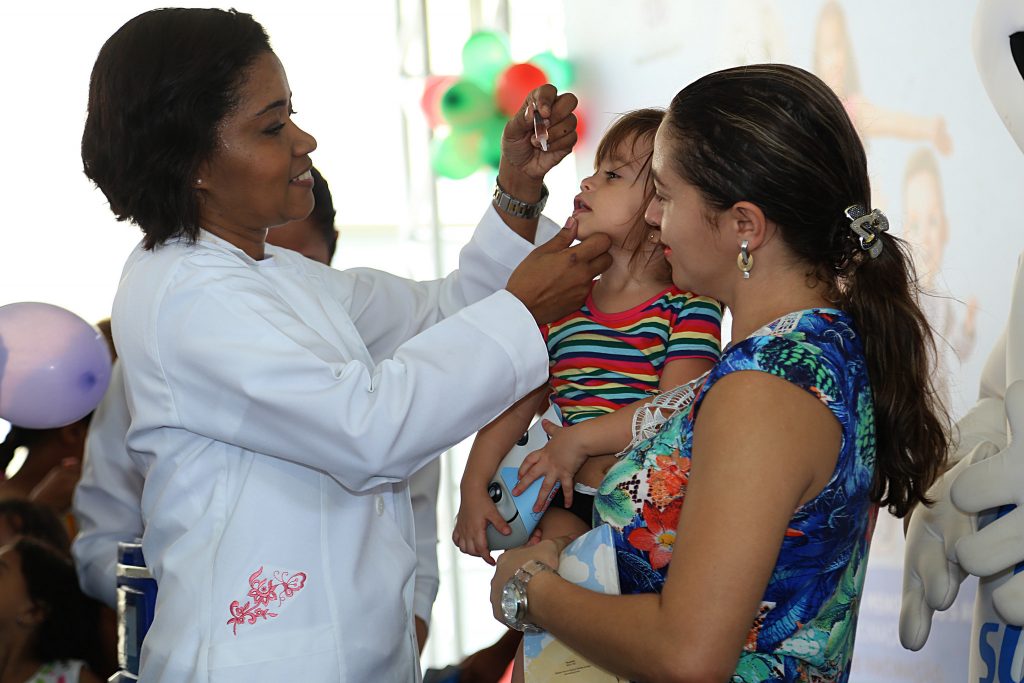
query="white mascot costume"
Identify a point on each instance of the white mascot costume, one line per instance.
(977, 523)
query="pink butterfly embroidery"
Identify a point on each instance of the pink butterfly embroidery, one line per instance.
(263, 591)
(290, 585)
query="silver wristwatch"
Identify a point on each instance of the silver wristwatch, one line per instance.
(516, 207)
(513, 596)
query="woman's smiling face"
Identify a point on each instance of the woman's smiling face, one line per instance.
(258, 176)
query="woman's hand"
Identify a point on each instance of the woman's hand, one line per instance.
(554, 279)
(548, 551)
(521, 151)
(476, 511)
(524, 161)
(558, 461)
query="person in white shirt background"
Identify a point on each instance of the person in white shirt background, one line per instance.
(277, 406)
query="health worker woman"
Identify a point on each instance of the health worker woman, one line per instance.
(279, 406)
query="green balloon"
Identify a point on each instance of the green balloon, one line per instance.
(465, 105)
(490, 145)
(456, 155)
(484, 56)
(559, 71)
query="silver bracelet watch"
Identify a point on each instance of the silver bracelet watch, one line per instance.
(517, 207)
(513, 596)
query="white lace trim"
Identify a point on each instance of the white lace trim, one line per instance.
(647, 419)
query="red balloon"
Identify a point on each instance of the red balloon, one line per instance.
(515, 83)
(430, 102)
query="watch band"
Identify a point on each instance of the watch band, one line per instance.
(530, 570)
(517, 207)
(516, 590)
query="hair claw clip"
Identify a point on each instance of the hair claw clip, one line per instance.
(867, 227)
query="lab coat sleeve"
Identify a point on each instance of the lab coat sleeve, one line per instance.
(423, 486)
(107, 498)
(241, 368)
(485, 264)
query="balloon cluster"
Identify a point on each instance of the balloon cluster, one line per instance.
(54, 366)
(475, 106)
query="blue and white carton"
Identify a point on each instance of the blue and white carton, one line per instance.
(589, 561)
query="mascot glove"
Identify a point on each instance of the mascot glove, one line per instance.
(987, 485)
(931, 573)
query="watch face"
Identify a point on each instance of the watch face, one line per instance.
(510, 603)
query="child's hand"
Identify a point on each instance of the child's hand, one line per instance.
(476, 510)
(520, 147)
(558, 461)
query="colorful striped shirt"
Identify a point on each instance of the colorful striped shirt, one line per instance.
(601, 362)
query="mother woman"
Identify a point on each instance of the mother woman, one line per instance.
(278, 406)
(742, 525)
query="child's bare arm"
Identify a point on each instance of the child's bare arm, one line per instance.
(476, 509)
(494, 440)
(612, 432)
(570, 447)
(678, 372)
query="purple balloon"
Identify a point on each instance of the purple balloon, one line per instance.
(54, 366)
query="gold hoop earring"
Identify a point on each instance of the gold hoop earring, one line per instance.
(745, 260)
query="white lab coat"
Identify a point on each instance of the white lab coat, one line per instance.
(423, 488)
(108, 506)
(277, 409)
(108, 497)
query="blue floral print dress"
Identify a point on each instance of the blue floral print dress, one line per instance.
(805, 628)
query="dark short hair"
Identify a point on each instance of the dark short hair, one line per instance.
(323, 212)
(159, 89)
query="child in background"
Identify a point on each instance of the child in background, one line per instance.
(835, 63)
(47, 627)
(636, 335)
